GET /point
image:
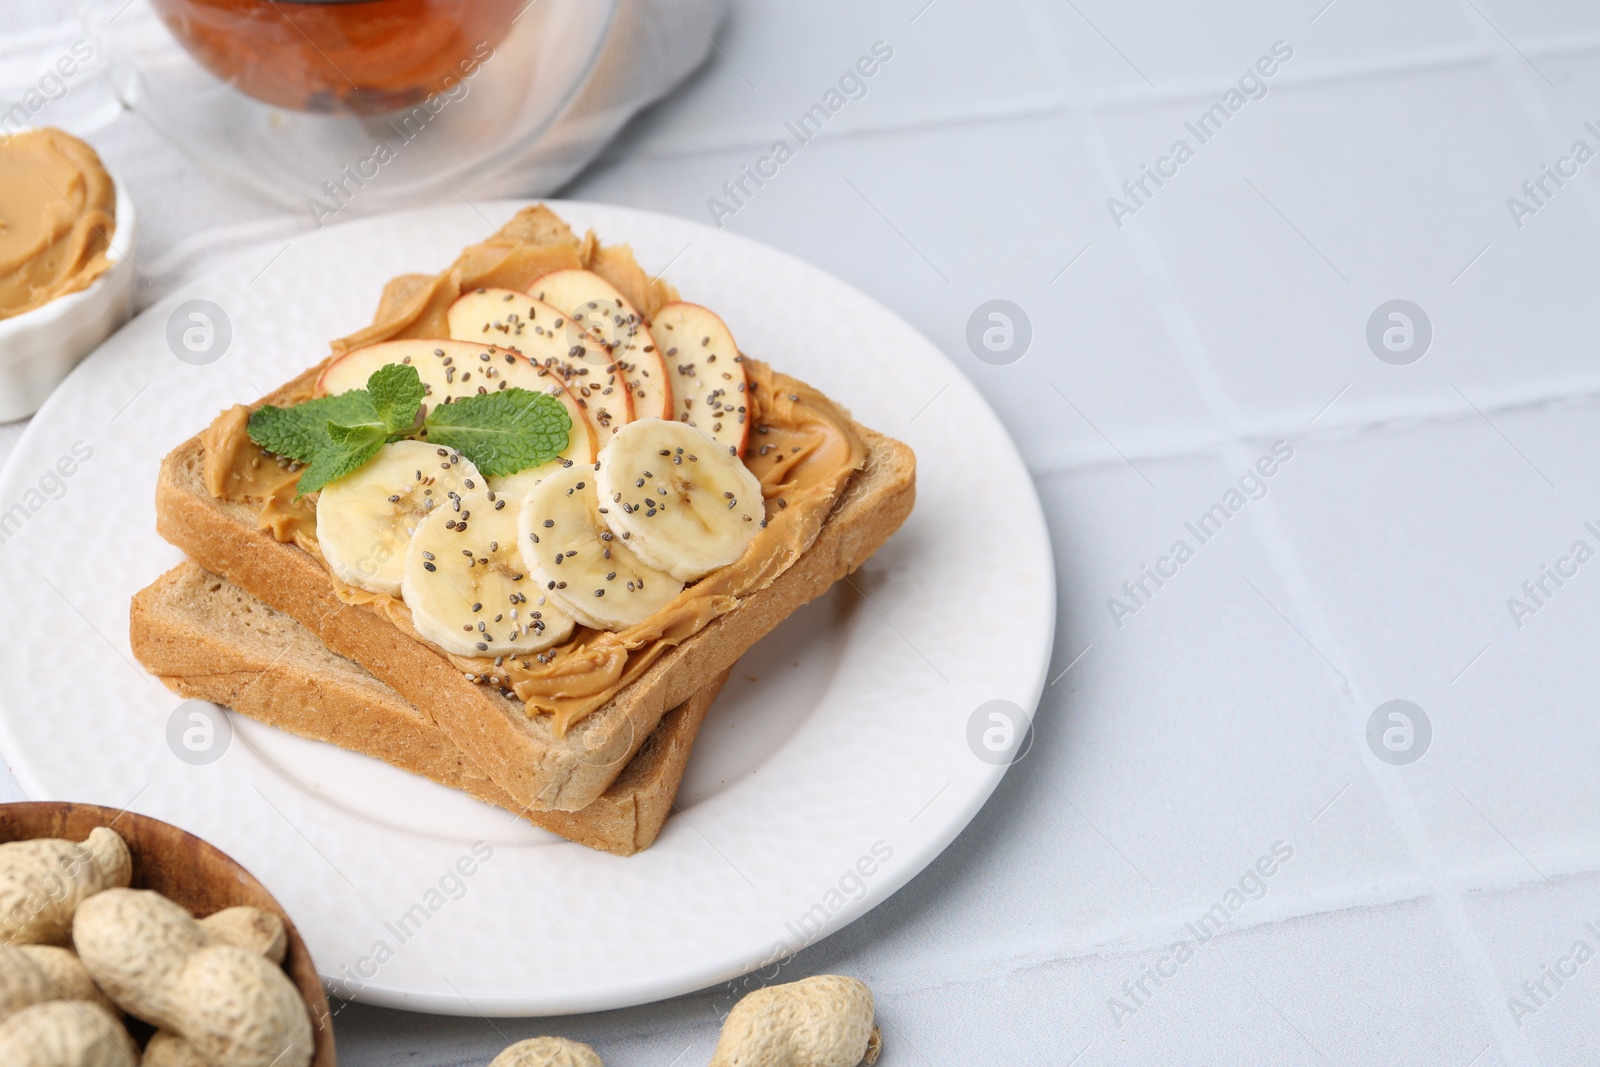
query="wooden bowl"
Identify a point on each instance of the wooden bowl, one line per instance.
(186, 870)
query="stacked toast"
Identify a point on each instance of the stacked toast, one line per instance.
(585, 726)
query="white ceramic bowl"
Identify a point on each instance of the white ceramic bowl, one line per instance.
(39, 347)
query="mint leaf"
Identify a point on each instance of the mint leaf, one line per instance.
(501, 433)
(338, 460)
(301, 431)
(349, 448)
(396, 391)
(504, 432)
(353, 436)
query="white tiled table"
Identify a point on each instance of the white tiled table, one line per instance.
(1228, 714)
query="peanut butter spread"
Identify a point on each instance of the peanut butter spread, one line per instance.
(802, 449)
(237, 469)
(58, 209)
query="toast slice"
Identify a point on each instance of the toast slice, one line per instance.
(522, 754)
(206, 638)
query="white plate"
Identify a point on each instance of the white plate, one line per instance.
(842, 739)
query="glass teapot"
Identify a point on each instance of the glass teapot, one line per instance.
(325, 104)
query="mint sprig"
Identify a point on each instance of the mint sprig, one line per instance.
(397, 393)
(504, 432)
(336, 462)
(301, 431)
(335, 436)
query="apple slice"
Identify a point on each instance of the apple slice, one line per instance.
(707, 371)
(453, 369)
(598, 306)
(550, 339)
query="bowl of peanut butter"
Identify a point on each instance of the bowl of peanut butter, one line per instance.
(66, 276)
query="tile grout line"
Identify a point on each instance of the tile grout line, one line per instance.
(1146, 935)
(1073, 103)
(1447, 895)
(1510, 72)
(1510, 1039)
(1446, 898)
(1175, 320)
(1399, 802)
(1199, 446)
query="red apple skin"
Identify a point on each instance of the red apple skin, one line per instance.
(680, 327)
(351, 370)
(570, 289)
(580, 418)
(547, 336)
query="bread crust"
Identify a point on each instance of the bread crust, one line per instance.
(205, 638)
(522, 754)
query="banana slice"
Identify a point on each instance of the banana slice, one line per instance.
(466, 585)
(579, 563)
(366, 520)
(679, 499)
(515, 487)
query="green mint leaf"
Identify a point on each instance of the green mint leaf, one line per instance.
(301, 431)
(502, 433)
(354, 436)
(396, 391)
(339, 460)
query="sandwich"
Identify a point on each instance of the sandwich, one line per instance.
(207, 639)
(538, 509)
